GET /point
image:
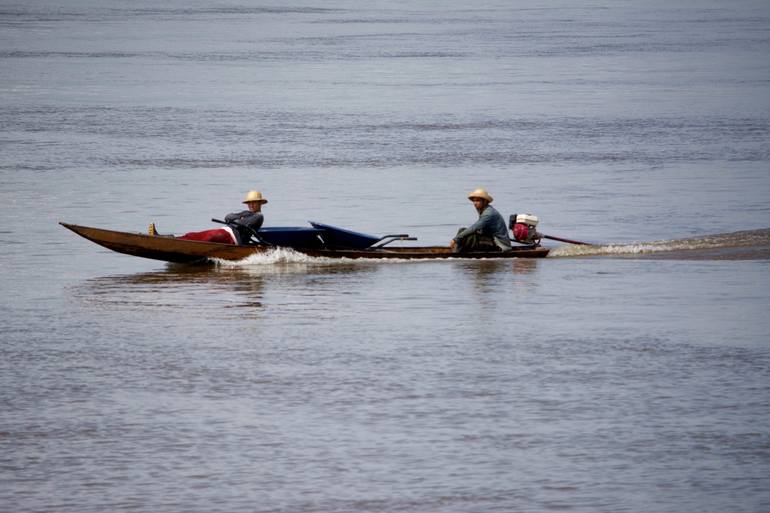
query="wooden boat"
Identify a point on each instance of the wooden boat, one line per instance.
(319, 241)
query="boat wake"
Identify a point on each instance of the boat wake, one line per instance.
(282, 259)
(273, 257)
(742, 245)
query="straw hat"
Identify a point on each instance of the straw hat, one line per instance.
(254, 197)
(480, 193)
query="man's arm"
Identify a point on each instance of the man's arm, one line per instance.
(254, 220)
(235, 216)
(482, 222)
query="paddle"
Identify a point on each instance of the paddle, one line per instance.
(253, 232)
(568, 241)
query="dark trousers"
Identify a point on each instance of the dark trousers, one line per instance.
(476, 241)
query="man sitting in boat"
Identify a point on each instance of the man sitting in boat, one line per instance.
(241, 224)
(247, 222)
(488, 233)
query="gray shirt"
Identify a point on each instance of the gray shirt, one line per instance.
(239, 221)
(490, 223)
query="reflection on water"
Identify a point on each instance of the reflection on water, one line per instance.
(524, 266)
(179, 286)
(240, 290)
(488, 277)
(484, 269)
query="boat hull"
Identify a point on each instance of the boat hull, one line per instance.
(426, 253)
(170, 249)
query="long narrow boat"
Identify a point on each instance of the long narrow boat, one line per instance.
(170, 249)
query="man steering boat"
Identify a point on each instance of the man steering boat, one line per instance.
(488, 233)
(241, 225)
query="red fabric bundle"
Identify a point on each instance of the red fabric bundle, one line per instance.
(220, 235)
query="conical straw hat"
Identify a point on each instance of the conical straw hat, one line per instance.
(480, 193)
(254, 196)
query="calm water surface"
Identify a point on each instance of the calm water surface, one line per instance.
(631, 376)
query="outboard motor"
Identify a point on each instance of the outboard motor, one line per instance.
(524, 229)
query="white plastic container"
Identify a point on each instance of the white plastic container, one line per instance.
(527, 219)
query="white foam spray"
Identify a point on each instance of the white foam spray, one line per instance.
(743, 239)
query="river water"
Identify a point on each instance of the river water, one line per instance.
(628, 376)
